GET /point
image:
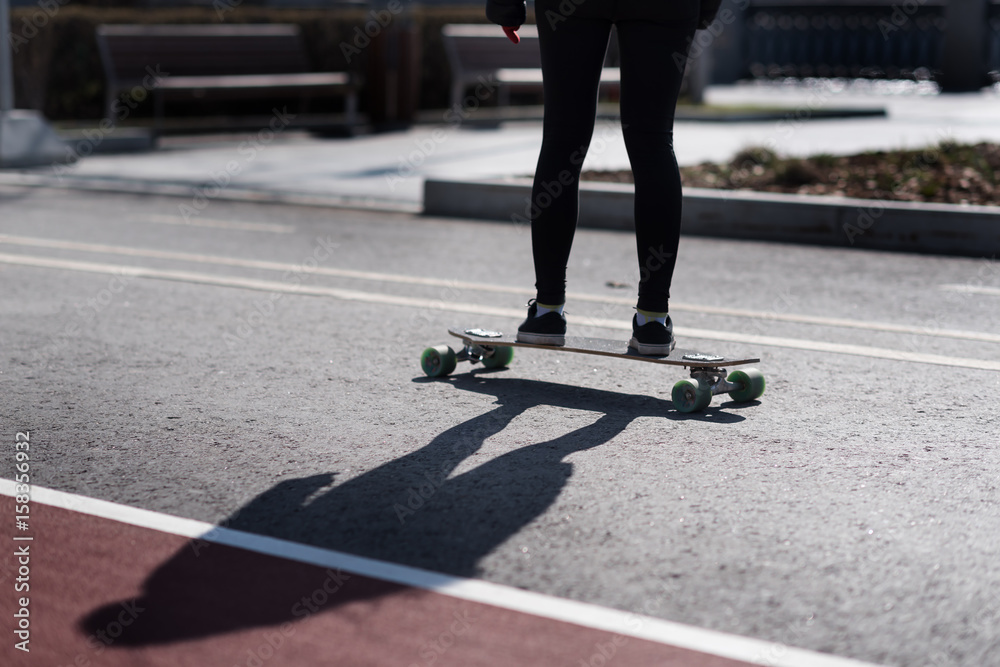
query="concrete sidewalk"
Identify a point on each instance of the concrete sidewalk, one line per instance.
(389, 170)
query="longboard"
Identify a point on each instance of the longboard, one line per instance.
(495, 349)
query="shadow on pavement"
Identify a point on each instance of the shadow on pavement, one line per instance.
(410, 511)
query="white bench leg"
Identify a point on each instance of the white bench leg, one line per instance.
(352, 109)
(457, 91)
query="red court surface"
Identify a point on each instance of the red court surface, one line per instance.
(107, 592)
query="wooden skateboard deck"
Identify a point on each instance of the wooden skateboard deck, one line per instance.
(605, 347)
(494, 349)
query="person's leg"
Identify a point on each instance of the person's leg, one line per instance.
(572, 49)
(653, 56)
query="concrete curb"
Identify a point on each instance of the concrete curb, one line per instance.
(93, 141)
(191, 191)
(875, 224)
(496, 116)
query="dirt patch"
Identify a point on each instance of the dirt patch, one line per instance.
(949, 173)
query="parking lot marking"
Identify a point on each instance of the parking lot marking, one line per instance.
(477, 309)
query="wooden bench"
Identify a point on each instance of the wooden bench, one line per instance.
(229, 61)
(479, 53)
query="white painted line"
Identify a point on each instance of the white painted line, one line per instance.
(133, 516)
(972, 289)
(814, 346)
(754, 651)
(475, 309)
(282, 267)
(843, 348)
(254, 284)
(220, 224)
(168, 254)
(980, 336)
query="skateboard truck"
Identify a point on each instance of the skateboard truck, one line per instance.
(475, 353)
(488, 355)
(696, 394)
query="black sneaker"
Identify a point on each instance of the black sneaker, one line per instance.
(549, 329)
(652, 338)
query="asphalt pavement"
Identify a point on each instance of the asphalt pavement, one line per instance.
(257, 366)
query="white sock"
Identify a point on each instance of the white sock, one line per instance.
(644, 317)
(541, 310)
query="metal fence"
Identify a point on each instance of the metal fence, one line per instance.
(993, 47)
(881, 40)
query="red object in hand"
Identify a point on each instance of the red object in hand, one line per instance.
(511, 33)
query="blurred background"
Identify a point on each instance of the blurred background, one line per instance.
(404, 74)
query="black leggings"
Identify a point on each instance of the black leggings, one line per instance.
(653, 56)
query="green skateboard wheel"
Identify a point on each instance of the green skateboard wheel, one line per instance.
(500, 358)
(691, 396)
(753, 384)
(438, 361)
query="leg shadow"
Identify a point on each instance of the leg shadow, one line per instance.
(412, 511)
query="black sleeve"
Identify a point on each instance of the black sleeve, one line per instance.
(709, 9)
(509, 13)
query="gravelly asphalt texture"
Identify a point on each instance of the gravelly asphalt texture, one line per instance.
(854, 509)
